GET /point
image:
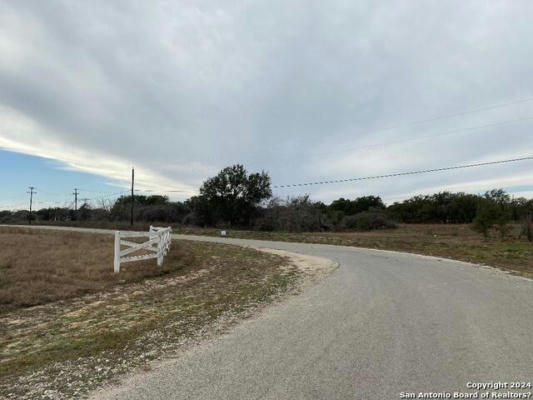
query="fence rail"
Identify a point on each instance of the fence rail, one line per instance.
(157, 246)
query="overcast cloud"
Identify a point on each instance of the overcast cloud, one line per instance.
(301, 89)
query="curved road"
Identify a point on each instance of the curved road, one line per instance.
(381, 324)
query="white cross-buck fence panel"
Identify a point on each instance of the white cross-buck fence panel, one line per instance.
(157, 246)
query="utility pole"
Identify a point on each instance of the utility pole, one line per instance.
(132, 195)
(76, 192)
(31, 193)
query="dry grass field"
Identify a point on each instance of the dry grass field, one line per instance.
(67, 323)
(38, 267)
(443, 240)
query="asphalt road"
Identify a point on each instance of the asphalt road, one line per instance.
(381, 324)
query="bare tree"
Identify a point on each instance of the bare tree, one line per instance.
(104, 203)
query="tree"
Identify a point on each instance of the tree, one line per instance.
(499, 196)
(366, 203)
(490, 214)
(294, 214)
(84, 212)
(232, 196)
(502, 217)
(443, 207)
(462, 209)
(341, 205)
(360, 204)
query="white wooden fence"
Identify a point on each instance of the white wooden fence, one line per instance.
(157, 246)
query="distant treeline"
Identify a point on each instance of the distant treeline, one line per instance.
(235, 199)
(299, 213)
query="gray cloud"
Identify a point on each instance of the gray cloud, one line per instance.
(298, 88)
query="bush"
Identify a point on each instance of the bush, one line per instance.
(490, 215)
(168, 213)
(335, 217)
(444, 207)
(360, 204)
(6, 217)
(527, 228)
(367, 221)
(296, 214)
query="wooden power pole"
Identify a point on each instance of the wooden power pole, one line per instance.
(76, 193)
(31, 193)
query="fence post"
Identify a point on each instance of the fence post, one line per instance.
(116, 266)
(169, 239)
(159, 249)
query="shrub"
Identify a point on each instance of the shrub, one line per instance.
(527, 228)
(296, 214)
(335, 217)
(360, 204)
(490, 214)
(367, 221)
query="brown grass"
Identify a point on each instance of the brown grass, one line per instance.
(38, 267)
(73, 345)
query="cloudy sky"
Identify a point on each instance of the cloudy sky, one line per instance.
(305, 90)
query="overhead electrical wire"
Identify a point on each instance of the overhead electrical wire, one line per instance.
(457, 114)
(423, 171)
(416, 122)
(430, 136)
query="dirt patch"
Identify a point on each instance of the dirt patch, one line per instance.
(313, 268)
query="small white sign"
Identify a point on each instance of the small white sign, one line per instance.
(222, 233)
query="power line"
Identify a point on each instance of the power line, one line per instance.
(475, 110)
(52, 193)
(52, 203)
(18, 206)
(112, 194)
(431, 119)
(94, 191)
(430, 136)
(424, 171)
(159, 191)
(5, 207)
